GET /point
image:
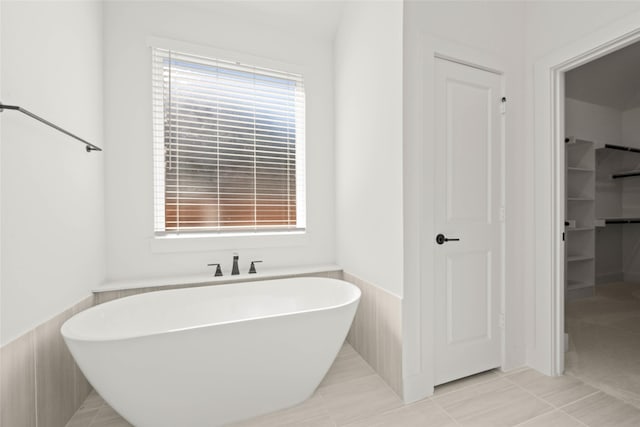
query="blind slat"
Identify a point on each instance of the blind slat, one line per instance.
(228, 145)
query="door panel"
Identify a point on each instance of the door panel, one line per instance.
(468, 297)
(466, 176)
(467, 204)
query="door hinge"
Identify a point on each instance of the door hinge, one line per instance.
(503, 105)
(502, 214)
(501, 320)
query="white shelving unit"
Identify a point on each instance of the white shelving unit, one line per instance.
(580, 212)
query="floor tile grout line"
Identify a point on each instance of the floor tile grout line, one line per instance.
(459, 422)
(534, 395)
(447, 413)
(598, 387)
(559, 406)
(596, 392)
(324, 387)
(456, 422)
(93, 419)
(537, 416)
(374, 373)
(572, 417)
(581, 399)
(332, 416)
(407, 405)
(530, 393)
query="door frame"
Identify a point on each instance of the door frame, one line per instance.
(546, 346)
(419, 294)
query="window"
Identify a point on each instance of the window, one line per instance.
(228, 146)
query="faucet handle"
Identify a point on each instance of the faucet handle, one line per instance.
(252, 269)
(218, 269)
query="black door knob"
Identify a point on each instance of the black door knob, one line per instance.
(440, 239)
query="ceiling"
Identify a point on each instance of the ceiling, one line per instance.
(613, 80)
(319, 18)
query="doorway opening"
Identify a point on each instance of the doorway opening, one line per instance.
(602, 222)
(547, 303)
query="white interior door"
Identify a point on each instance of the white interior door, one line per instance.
(468, 206)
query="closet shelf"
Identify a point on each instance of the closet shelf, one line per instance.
(579, 236)
(578, 284)
(572, 141)
(576, 258)
(577, 169)
(579, 229)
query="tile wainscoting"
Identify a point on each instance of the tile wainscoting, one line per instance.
(376, 332)
(40, 383)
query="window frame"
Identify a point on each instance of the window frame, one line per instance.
(165, 241)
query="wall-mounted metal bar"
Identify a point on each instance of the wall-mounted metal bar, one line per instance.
(622, 221)
(88, 146)
(625, 174)
(622, 148)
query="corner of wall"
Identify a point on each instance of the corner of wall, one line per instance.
(376, 332)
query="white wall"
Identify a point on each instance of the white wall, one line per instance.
(631, 127)
(129, 172)
(593, 122)
(52, 190)
(552, 25)
(368, 114)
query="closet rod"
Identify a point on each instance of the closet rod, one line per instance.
(622, 221)
(625, 174)
(621, 147)
(88, 146)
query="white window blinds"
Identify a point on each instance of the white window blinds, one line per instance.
(228, 146)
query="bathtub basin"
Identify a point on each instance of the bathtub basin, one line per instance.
(209, 356)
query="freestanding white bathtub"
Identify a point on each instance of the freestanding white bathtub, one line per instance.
(212, 355)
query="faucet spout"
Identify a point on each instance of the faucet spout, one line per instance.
(235, 270)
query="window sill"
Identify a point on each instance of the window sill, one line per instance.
(208, 242)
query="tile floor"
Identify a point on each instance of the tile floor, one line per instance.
(353, 395)
(604, 340)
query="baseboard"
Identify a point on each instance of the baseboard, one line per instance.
(416, 387)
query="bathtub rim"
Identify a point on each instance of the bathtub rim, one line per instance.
(67, 325)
